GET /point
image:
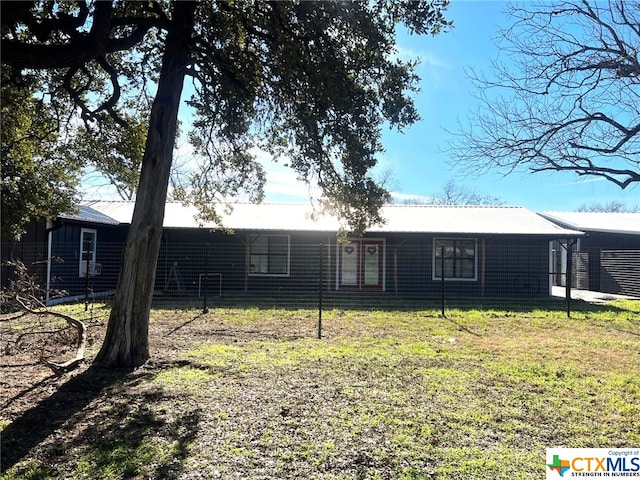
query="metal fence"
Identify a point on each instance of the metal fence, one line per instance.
(273, 272)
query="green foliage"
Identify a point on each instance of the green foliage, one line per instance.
(312, 82)
(37, 181)
(113, 149)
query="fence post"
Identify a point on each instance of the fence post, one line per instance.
(205, 308)
(569, 276)
(442, 280)
(320, 287)
(86, 285)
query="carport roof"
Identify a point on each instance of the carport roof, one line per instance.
(606, 222)
(461, 220)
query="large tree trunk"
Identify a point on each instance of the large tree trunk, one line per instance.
(126, 343)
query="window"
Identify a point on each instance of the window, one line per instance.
(268, 255)
(87, 251)
(459, 259)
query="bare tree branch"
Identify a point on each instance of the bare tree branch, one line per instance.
(570, 99)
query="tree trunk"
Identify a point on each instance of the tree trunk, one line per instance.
(126, 343)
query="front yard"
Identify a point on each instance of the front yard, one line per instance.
(252, 394)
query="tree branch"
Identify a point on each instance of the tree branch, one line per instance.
(61, 368)
(82, 47)
(112, 101)
(569, 100)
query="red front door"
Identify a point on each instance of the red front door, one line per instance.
(361, 265)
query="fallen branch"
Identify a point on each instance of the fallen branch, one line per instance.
(61, 368)
(12, 316)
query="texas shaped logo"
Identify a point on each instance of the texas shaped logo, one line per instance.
(561, 466)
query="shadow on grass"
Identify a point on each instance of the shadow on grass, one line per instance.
(182, 325)
(26, 391)
(42, 420)
(98, 423)
(462, 328)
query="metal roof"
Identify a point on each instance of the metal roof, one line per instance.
(90, 215)
(469, 220)
(607, 222)
(400, 219)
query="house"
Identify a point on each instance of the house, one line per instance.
(60, 252)
(281, 249)
(607, 256)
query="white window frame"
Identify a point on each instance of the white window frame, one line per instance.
(455, 279)
(82, 264)
(250, 241)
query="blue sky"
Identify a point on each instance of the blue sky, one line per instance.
(417, 159)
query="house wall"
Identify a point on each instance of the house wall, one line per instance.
(608, 271)
(620, 272)
(517, 267)
(608, 262)
(63, 272)
(584, 271)
(190, 259)
(506, 266)
(609, 241)
(186, 256)
(31, 249)
(66, 253)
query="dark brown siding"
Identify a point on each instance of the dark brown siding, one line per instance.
(581, 268)
(620, 272)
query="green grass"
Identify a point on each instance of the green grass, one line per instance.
(403, 395)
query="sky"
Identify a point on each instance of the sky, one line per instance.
(417, 158)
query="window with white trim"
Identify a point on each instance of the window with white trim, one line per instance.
(269, 255)
(458, 257)
(88, 237)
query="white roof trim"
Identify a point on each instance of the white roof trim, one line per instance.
(604, 222)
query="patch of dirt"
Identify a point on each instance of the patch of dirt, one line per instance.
(35, 403)
(49, 421)
(25, 381)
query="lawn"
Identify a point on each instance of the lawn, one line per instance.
(253, 394)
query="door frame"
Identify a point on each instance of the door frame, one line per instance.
(382, 265)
